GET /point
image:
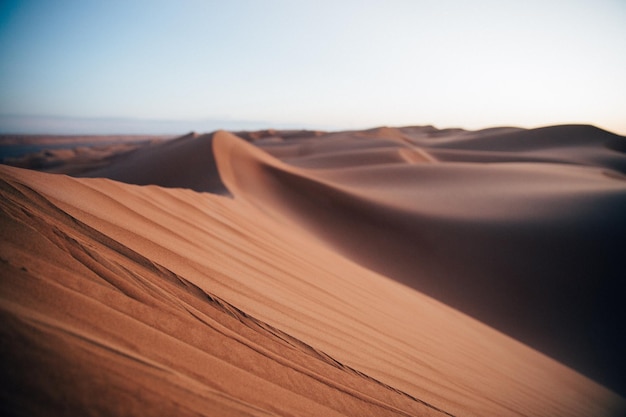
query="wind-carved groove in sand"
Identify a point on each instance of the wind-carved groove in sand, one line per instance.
(47, 219)
(261, 326)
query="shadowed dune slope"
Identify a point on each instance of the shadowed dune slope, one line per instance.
(531, 248)
(185, 162)
(119, 299)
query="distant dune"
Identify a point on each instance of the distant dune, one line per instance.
(392, 271)
(68, 154)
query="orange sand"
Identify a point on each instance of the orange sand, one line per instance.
(335, 277)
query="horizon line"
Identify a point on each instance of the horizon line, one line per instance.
(16, 124)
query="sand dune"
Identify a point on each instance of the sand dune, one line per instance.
(71, 154)
(186, 162)
(336, 279)
(532, 249)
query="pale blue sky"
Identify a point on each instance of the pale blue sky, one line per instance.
(329, 64)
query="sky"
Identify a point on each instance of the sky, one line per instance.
(91, 66)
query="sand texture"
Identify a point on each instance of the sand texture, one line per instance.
(392, 271)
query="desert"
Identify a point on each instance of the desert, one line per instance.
(409, 271)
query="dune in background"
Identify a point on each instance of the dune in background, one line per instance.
(186, 162)
(69, 154)
(392, 271)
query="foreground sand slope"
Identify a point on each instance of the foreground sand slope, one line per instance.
(91, 327)
(139, 300)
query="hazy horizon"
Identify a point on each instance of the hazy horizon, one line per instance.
(154, 67)
(59, 125)
(62, 125)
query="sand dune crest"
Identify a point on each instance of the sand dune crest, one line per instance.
(185, 162)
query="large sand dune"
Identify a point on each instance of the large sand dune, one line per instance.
(406, 271)
(531, 248)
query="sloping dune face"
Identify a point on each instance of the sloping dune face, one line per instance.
(520, 229)
(186, 162)
(120, 299)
